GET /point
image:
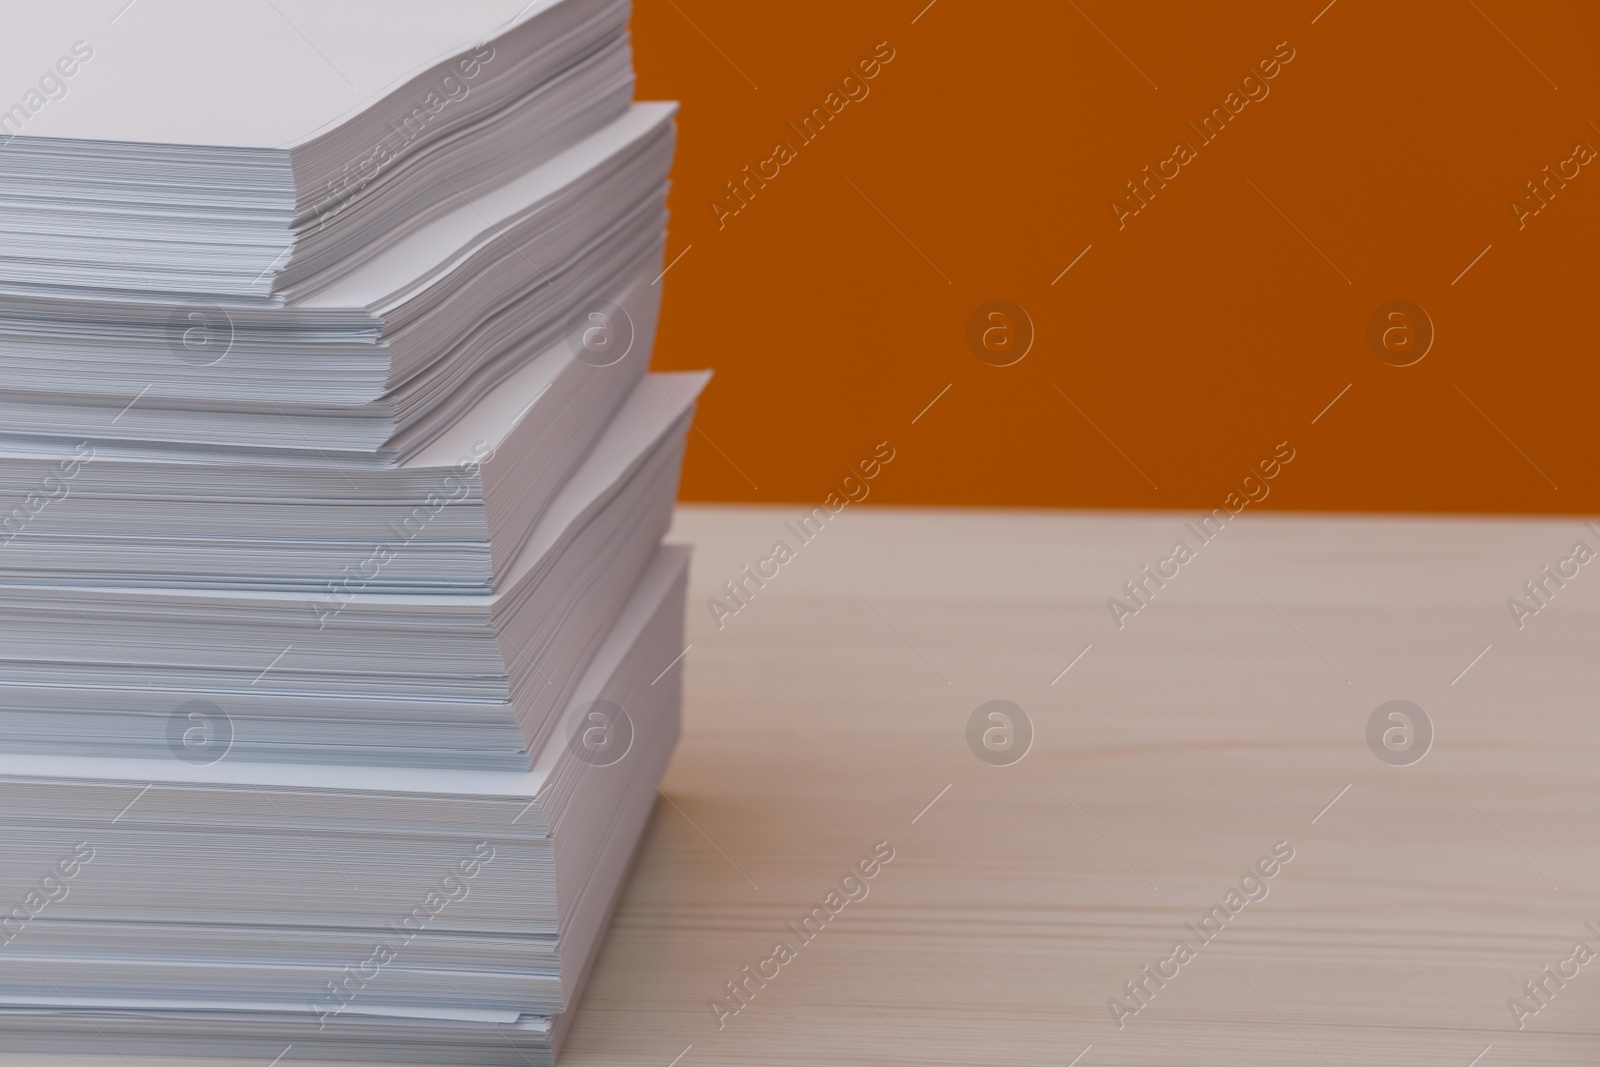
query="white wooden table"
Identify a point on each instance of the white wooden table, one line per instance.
(1227, 716)
(1231, 714)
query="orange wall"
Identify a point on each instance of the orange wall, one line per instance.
(1193, 337)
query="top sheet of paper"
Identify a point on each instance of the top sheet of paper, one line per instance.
(254, 73)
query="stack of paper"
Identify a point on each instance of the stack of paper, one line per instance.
(338, 649)
(245, 150)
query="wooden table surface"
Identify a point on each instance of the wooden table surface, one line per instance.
(1225, 717)
(1229, 716)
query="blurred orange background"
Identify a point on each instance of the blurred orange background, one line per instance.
(1185, 341)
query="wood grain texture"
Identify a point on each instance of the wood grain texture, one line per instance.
(1224, 717)
(829, 712)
